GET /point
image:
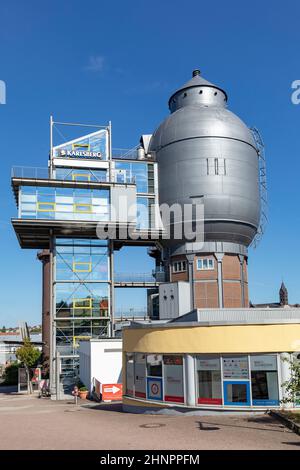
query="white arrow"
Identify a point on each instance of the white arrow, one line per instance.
(112, 389)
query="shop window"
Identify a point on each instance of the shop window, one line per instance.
(179, 266)
(264, 380)
(236, 393)
(154, 377)
(236, 381)
(173, 378)
(209, 381)
(140, 375)
(130, 374)
(81, 267)
(205, 264)
(154, 365)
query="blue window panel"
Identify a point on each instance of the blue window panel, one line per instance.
(265, 402)
(154, 388)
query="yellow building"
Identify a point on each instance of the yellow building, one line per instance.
(230, 359)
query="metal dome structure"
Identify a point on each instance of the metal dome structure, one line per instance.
(204, 150)
(207, 154)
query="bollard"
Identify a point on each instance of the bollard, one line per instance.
(75, 394)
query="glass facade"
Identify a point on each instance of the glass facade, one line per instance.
(64, 203)
(226, 381)
(209, 380)
(80, 174)
(81, 291)
(140, 172)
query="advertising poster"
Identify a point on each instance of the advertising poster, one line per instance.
(235, 367)
(173, 379)
(154, 388)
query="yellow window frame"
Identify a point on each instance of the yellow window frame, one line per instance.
(76, 344)
(75, 175)
(88, 211)
(81, 146)
(40, 204)
(81, 270)
(89, 307)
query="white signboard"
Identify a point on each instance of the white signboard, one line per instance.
(208, 364)
(263, 363)
(88, 147)
(235, 367)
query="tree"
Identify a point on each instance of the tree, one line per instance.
(28, 355)
(292, 386)
(3, 330)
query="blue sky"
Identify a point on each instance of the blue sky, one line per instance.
(95, 61)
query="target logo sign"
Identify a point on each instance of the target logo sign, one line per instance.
(154, 388)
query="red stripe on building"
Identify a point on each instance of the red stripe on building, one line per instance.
(210, 401)
(174, 399)
(140, 394)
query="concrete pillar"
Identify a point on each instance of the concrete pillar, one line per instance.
(219, 257)
(190, 382)
(44, 257)
(112, 289)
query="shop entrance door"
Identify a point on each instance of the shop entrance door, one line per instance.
(236, 393)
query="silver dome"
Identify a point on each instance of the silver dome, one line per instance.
(205, 151)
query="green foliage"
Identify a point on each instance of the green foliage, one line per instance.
(80, 384)
(83, 389)
(3, 329)
(292, 386)
(28, 354)
(11, 374)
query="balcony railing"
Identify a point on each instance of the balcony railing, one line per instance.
(142, 278)
(94, 175)
(126, 154)
(29, 172)
(127, 313)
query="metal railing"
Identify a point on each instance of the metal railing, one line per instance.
(127, 313)
(126, 154)
(29, 172)
(144, 278)
(43, 173)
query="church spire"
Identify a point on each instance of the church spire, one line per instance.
(283, 295)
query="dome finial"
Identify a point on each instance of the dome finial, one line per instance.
(196, 72)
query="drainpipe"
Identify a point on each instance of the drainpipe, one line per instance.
(219, 257)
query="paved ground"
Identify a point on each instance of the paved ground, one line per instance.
(32, 423)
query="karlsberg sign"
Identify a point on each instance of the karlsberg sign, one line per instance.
(79, 154)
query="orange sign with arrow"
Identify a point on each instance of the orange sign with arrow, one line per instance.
(112, 392)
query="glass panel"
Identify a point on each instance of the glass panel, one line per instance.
(209, 380)
(154, 365)
(65, 203)
(130, 374)
(235, 367)
(236, 393)
(264, 380)
(140, 375)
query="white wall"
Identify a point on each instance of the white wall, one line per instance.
(102, 362)
(85, 362)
